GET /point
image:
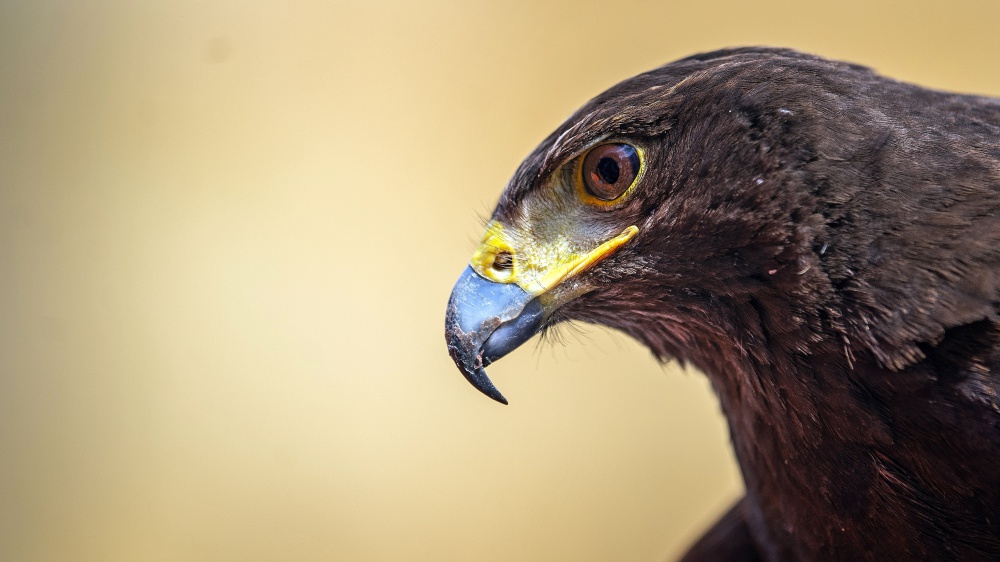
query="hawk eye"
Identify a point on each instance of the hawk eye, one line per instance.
(609, 170)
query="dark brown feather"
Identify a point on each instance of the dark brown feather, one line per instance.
(823, 243)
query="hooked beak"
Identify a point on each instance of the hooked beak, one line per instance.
(493, 310)
(485, 321)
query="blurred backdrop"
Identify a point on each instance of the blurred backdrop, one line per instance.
(228, 231)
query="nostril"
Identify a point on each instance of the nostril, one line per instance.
(504, 261)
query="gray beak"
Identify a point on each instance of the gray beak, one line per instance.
(485, 321)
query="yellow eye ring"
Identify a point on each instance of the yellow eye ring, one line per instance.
(607, 173)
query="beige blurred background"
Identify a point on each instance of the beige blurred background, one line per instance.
(227, 234)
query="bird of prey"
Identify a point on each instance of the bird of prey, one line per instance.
(824, 244)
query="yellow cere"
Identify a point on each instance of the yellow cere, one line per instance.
(537, 267)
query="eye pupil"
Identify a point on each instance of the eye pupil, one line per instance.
(609, 170)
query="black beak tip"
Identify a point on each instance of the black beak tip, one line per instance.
(489, 390)
(472, 373)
